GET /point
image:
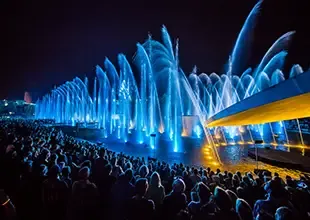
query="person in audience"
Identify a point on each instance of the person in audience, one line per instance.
(84, 201)
(204, 195)
(156, 190)
(283, 213)
(244, 210)
(277, 196)
(176, 200)
(224, 203)
(55, 195)
(140, 207)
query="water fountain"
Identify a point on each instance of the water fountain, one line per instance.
(166, 103)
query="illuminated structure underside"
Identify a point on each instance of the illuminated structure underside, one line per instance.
(287, 109)
(285, 101)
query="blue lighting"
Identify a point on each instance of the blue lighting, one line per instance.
(128, 104)
(281, 124)
(198, 131)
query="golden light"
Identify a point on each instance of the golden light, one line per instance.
(223, 144)
(285, 109)
(240, 142)
(161, 129)
(184, 133)
(249, 142)
(217, 145)
(209, 157)
(241, 129)
(215, 163)
(274, 144)
(217, 136)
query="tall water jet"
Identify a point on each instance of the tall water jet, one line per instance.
(242, 46)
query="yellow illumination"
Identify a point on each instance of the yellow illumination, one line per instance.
(240, 142)
(209, 157)
(286, 109)
(274, 144)
(184, 133)
(241, 129)
(217, 136)
(161, 128)
(223, 144)
(208, 153)
(215, 163)
(216, 145)
(250, 142)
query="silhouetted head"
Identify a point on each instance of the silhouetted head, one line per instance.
(143, 171)
(141, 186)
(244, 209)
(222, 199)
(233, 197)
(155, 180)
(84, 173)
(204, 192)
(129, 174)
(195, 171)
(283, 213)
(54, 171)
(66, 171)
(178, 186)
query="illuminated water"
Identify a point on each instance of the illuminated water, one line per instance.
(160, 102)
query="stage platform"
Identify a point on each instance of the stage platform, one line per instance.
(290, 160)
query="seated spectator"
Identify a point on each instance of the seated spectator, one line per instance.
(233, 197)
(55, 195)
(195, 177)
(203, 196)
(143, 171)
(66, 176)
(140, 207)
(156, 191)
(276, 197)
(121, 192)
(283, 213)
(176, 200)
(224, 203)
(7, 208)
(244, 210)
(84, 202)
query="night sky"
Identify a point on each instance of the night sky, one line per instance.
(45, 43)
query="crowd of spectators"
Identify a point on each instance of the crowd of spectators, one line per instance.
(46, 174)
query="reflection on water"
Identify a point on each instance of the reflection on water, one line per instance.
(234, 158)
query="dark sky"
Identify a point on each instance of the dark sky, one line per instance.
(44, 43)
